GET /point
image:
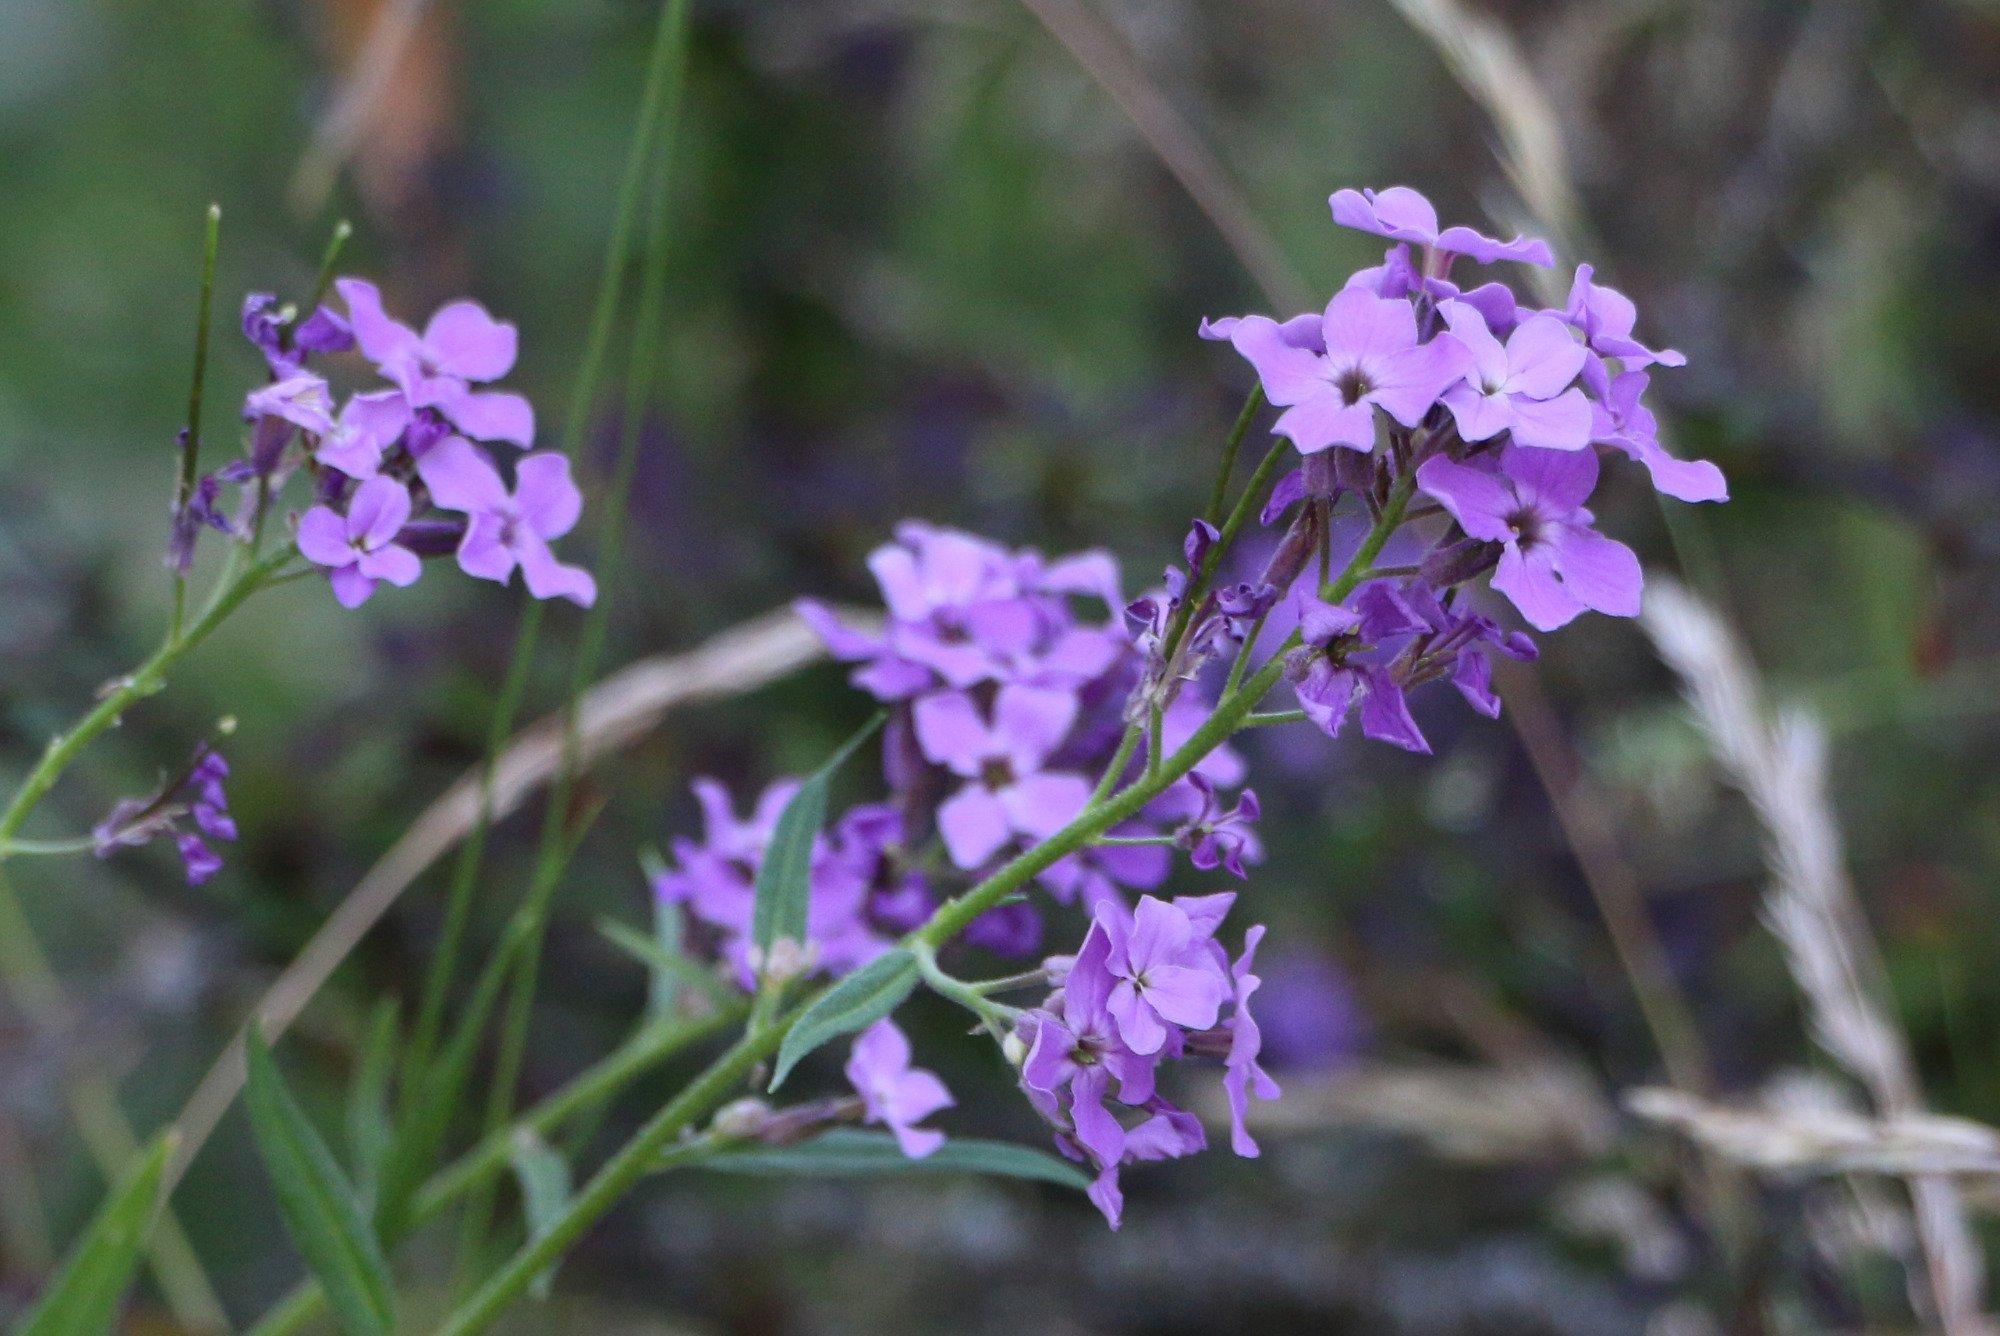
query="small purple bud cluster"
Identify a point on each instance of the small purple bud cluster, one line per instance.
(398, 472)
(191, 807)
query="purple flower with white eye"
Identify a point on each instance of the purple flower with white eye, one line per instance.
(461, 346)
(1007, 792)
(1553, 565)
(359, 548)
(1372, 359)
(1402, 214)
(1606, 317)
(1523, 387)
(1621, 420)
(1214, 836)
(893, 1093)
(508, 529)
(1162, 976)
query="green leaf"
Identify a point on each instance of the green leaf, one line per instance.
(856, 1002)
(369, 1131)
(545, 1193)
(783, 878)
(317, 1204)
(83, 1298)
(852, 1153)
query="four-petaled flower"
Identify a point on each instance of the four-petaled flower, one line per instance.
(1524, 387)
(507, 529)
(1162, 975)
(1008, 792)
(460, 347)
(360, 547)
(1553, 565)
(1371, 358)
(893, 1093)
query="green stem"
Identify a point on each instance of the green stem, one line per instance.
(330, 257)
(1265, 718)
(1247, 505)
(1131, 841)
(1121, 758)
(145, 680)
(47, 848)
(191, 440)
(1219, 493)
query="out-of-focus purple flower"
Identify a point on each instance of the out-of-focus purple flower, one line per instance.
(1620, 419)
(462, 346)
(1523, 387)
(715, 879)
(509, 529)
(1216, 837)
(195, 796)
(1553, 565)
(1371, 359)
(893, 1093)
(1008, 793)
(1402, 214)
(1606, 318)
(1242, 1076)
(201, 511)
(963, 611)
(1013, 931)
(1094, 876)
(1312, 1019)
(360, 548)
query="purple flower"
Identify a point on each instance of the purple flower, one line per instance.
(360, 547)
(1093, 876)
(893, 1093)
(1214, 837)
(1621, 420)
(1336, 662)
(963, 611)
(1456, 647)
(1606, 317)
(1402, 214)
(265, 325)
(196, 795)
(1161, 975)
(1553, 565)
(460, 347)
(506, 530)
(1007, 793)
(1523, 387)
(1371, 359)
(1242, 1076)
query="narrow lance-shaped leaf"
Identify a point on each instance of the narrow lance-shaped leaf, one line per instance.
(856, 1002)
(664, 988)
(784, 877)
(369, 1131)
(82, 1300)
(317, 1204)
(545, 1193)
(852, 1153)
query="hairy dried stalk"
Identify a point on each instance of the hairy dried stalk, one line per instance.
(1826, 1141)
(614, 714)
(1780, 765)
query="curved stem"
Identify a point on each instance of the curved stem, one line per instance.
(145, 680)
(82, 844)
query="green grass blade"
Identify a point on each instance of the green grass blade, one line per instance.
(83, 1298)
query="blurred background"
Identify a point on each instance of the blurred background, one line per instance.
(926, 262)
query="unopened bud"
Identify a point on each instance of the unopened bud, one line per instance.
(788, 960)
(1014, 1048)
(743, 1120)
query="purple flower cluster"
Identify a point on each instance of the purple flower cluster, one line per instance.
(1147, 985)
(399, 471)
(191, 807)
(1007, 707)
(893, 1093)
(1492, 409)
(858, 891)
